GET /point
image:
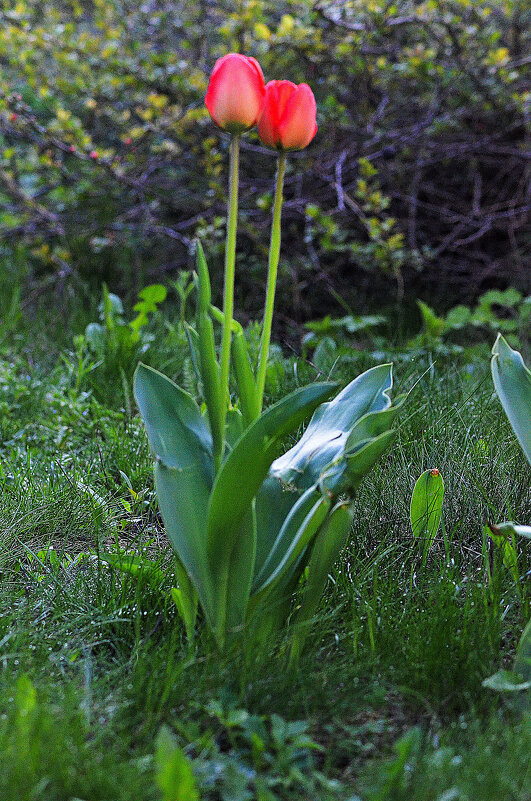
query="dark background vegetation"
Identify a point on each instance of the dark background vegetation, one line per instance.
(415, 185)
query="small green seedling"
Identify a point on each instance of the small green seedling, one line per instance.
(426, 509)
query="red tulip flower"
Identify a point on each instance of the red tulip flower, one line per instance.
(235, 94)
(288, 117)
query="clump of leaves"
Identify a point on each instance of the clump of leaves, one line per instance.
(507, 311)
(116, 343)
(241, 756)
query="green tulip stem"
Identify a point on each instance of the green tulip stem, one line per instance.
(274, 254)
(230, 261)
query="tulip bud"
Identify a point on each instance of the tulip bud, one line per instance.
(287, 121)
(235, 93)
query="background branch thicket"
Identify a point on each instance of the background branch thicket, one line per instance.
(417, 180)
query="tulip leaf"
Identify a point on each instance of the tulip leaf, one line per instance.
(246, 466)
(178, 434)
(512, 381)
(341, 443)
(273, 504)
(182, 444)
(185, 599)
(326, 439)
(426, 507)
(241, 475)
(183, 498)
(209, 367)
(325, 550)
(299, 534)
(507, 681)
(290, 524)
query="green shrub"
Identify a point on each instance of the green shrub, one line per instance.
(110, 165)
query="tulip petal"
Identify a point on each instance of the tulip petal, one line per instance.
(254, 63)
(277, 95)
(297, 126)
(235, 92)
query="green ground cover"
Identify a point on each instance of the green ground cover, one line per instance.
(101, 694)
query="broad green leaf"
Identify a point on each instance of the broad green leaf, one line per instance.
(239, 480)
(300, 536)
(247, 391)
(183, 496)
(178, 434)
(326, 439)
(512, 381)
(507, 681)
(246, 466)
(273, 504)
(426, 507)
(324, 552)
(173, 771)
(185, 599)
(182, 444)
(343, 440)
(289, 525)
(341, 443)
(152, 295)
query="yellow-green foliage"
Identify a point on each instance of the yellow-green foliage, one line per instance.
(108, 158)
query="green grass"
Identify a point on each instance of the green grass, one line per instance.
(388, 692)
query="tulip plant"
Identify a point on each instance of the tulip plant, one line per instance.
(250, 525)
(512, 382)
